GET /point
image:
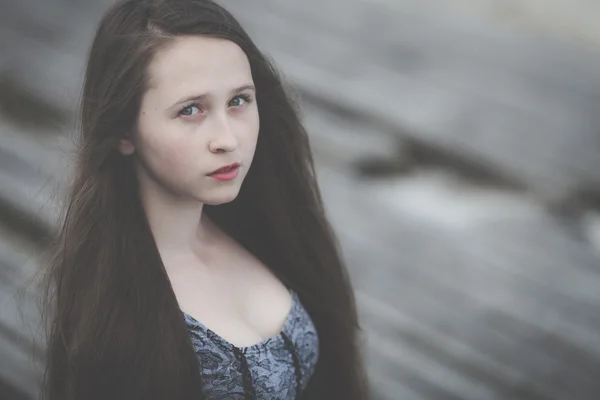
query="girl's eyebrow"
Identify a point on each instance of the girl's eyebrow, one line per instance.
(203, 96)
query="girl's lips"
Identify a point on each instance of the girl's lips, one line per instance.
(225, 175)
(225, 168)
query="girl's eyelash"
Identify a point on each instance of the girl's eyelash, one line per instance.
(198, 106)
(246, 97)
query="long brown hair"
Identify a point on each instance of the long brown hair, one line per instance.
(115, 328)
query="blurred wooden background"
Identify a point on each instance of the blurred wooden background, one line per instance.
(458, 150)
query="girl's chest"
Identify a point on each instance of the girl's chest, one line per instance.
(240, 299)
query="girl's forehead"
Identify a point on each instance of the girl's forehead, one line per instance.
(198, 60)
(194, 66)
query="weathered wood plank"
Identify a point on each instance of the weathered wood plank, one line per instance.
(19, 318)
(460, 297)
(523, 105)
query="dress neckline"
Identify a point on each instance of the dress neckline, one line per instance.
(218, 339)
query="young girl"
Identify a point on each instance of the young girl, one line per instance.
(195, 260)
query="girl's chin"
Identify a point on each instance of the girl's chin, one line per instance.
(220, 198)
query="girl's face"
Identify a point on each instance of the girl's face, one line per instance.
(199, 114)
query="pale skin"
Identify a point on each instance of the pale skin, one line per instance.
(178, 142)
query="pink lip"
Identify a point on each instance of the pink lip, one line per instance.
(226, 173)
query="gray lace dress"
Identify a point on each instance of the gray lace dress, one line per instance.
(278, 368)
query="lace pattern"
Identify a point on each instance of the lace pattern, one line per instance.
(269, 370)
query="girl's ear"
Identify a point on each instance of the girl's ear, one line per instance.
(126, 146)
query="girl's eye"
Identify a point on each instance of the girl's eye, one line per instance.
(190, 110)
(240, 100)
